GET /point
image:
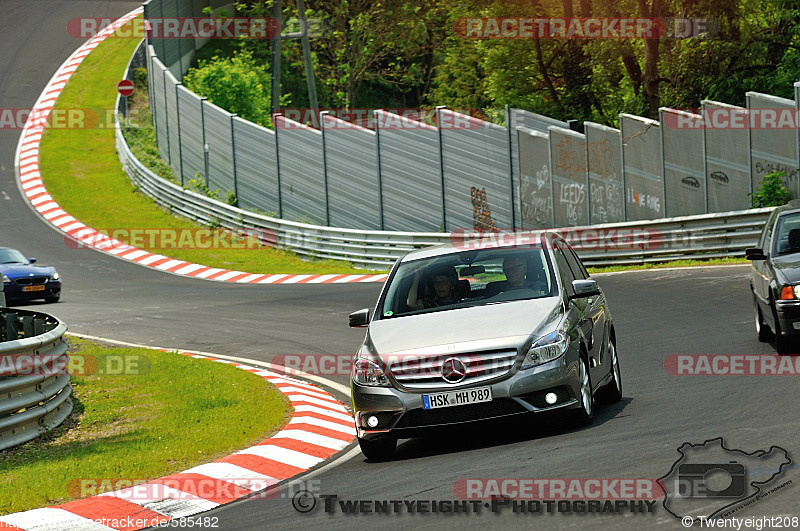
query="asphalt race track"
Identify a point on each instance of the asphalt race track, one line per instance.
(703, 311)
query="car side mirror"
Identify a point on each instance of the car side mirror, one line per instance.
(755, 253)
(585, 288)
(32, 260)
(359, 319)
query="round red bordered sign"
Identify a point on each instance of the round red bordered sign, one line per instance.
(125, 87)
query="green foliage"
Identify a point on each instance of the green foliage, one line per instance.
(199, 185)
(235, 83)
(772, 191)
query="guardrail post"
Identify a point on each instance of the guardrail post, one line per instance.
(278, 163)
(322, 116)
(511, 168)
(169, 152)
(205, 145)
(12, 326)
(178, 114)
(376, 118)
(441, 163)
(233, 158)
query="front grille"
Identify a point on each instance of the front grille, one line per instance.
(31, 281)
(426, 372)
(417, 418)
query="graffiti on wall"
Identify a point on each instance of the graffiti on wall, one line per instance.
(601, 159)
(569, 159)
(535, 197)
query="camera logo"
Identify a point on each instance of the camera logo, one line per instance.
(710, 480)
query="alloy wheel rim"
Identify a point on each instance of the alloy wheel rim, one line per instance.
(586, 390)
(615, 362)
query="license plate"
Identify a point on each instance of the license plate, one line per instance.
(33, 288)
(457, 398)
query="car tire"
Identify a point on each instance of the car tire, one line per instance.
(52, 299)
(585, 412)
(762, 330)
(612, 391)
(378, 450)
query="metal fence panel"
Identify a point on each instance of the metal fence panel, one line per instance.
(684, 163)
(172, 118)
(300, 158)
(256, 166)
(160, 106)
(170, 53)
(727, 157)
(530, 120)
(604, 152)
(351, 154)
(477, 176)
(220, 144)
(191, 114)
(410, 174)
(641, 156)
(773, 138)
(535, 191)
(570, 186)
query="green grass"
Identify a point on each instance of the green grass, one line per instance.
(674, 263)
(82, 171)
(177, 413)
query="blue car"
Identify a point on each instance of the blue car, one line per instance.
(23, 280)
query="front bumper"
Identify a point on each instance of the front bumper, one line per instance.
(14, 292)
(401, 415)
(788, 314)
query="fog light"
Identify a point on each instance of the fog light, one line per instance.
(551, 398)
(372, 421)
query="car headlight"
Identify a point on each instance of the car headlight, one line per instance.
(55, 276)
(6, 280)
(546, 349)
(367, 372)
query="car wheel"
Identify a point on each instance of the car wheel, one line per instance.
(762, 330)
(52, 299)
(379, 450)
(612, 391)
(585, 413)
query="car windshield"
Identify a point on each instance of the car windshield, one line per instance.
(787, 234)
(469, 278)
(12, 256)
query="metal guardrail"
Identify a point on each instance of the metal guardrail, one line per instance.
(35, 385)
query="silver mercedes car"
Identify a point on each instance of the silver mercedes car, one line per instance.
(463, 334)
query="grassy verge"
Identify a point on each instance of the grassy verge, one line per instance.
(177, 412)
(81, 170)
(674, 263)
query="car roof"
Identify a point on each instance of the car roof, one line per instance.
(524, 239)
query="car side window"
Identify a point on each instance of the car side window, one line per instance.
(564, 270)
(578, 269)
(766, 237)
